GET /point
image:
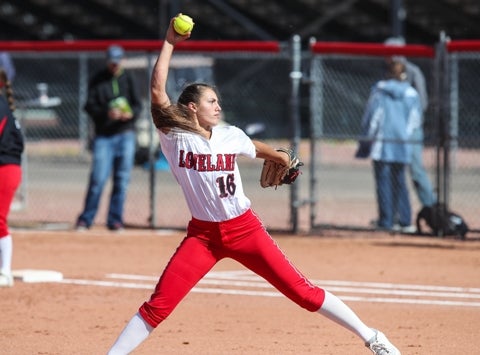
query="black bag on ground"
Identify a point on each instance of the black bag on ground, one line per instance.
(452, 223)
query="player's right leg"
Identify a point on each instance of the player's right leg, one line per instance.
(191, 261)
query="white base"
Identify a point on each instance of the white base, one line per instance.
(29, 275)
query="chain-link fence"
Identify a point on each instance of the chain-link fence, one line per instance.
(51, 89)
(258, 92)
(462, 129)
(342, 187)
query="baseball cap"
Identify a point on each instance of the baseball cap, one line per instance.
(115, 53)
(395, 41)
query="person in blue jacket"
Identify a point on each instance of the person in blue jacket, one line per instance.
(420, 179)
(392, 114)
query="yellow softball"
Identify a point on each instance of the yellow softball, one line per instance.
(183, 24)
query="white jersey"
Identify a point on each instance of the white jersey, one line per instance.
(207, 170)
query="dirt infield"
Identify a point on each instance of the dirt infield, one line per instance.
(424, 293)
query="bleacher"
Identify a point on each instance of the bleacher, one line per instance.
(326, 20)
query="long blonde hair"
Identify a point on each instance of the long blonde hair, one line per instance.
(6, 88)
(177, 115)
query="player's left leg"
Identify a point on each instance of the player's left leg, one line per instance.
(256, 249)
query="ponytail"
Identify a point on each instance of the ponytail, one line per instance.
(176, 116)
(173, 116)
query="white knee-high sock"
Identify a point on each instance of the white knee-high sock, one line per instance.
(334, 309)
(6, 250)
(134, 333)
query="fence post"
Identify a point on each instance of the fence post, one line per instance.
(442, 82)
(82, 98)
(296, 77)
(316, 105)
(152, 149)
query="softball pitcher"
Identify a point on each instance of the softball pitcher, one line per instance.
(203, 158)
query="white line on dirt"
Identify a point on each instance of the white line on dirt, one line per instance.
(421, 294)
(356, 287)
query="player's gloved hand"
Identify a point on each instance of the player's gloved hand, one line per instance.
(276, 174)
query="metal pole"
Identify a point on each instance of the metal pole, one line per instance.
(398, 16)
(295, 77)
(437, 77)
(441, 110)
(316, 130)
(454, 106)
(23, 189)
(82, 98)
(446, 133)
(151, 151)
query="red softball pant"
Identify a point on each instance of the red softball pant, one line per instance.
(10, 177)
(243, 239)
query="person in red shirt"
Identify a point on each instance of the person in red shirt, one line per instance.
(11, 149)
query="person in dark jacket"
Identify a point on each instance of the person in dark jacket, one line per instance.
(113, 104)
(11, 149)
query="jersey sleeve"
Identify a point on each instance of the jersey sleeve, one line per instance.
(243, 143)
